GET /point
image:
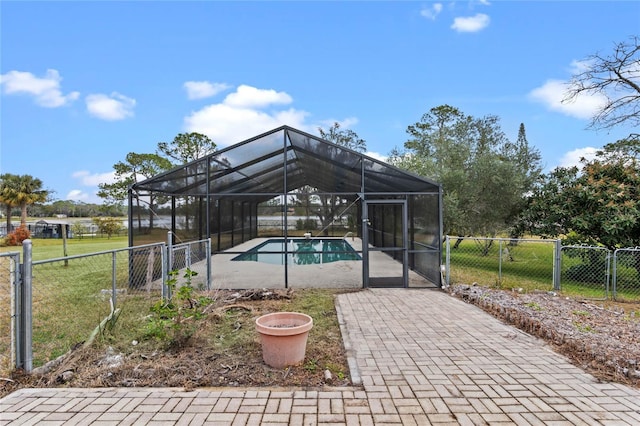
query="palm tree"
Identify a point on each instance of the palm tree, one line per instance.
(8, 183)
(21, 191)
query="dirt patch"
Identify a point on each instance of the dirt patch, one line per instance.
(602, 338)
(223, 350)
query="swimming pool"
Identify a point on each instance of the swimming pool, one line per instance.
(300, 251)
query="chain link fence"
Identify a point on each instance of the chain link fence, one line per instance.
(72, 296)
(626, 274)
(585, 271)
(500, 262)
(67, 301)
(592, 272)
(193, 256)
(9, 274)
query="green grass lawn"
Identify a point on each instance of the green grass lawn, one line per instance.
(52, 248)
(70, 298)
(527, 265)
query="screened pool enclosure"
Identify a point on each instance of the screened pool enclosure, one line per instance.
(288, 209)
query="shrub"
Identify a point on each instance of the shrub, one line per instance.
(173, 320)
(108, 225)
(16, 237)
(306, 224)
(78, 229)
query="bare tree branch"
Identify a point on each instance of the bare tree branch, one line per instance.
(617, 79)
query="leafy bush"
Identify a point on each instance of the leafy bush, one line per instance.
(78, 229)
(16, 237)
(172, 320)
(108, 225)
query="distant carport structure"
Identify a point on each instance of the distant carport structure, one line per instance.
(286, 189)
(51, 228)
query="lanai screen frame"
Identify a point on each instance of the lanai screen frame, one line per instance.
(218, 196)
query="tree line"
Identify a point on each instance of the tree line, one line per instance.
(25, 196)
(492, 185)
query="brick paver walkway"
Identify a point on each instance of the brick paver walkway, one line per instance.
(422, 358)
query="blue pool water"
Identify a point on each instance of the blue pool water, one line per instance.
(300, 251)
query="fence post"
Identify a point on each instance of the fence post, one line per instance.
(448, 261)
(18, 345)
(557, 264)
(166, 291)
(608, 272)
(208, 248)
(24, 358)
(500, 263)
(165, 272)
(114, 284)
(14, 286)
(614, 278)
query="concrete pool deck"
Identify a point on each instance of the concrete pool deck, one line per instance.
(228, 274)
(422, 357)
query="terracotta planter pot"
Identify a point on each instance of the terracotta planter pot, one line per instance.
(283, 336)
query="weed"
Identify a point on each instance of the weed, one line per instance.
(311, 365)
(336, 369)
(581, 313)
(583, 328)
(497, 283)
(534, 305)
(173, 319)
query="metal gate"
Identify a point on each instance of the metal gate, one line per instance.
(9, 297)
(586, 270)
(626, 274)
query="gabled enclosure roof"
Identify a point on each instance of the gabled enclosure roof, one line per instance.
(256, 168)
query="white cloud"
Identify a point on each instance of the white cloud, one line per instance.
(376, 155)
(552, 92)
(572, 158)
(251, 97)
(578, 67)
(93, 179)
(471, 24)
(78, 195)
(203, 89)
(344, 124)
(110, 107)
(46, 90)
(90, 181)
(250, 111)
(226, 125)
(431, 12)
(245, 113)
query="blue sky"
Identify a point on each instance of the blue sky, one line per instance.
(84, 83)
